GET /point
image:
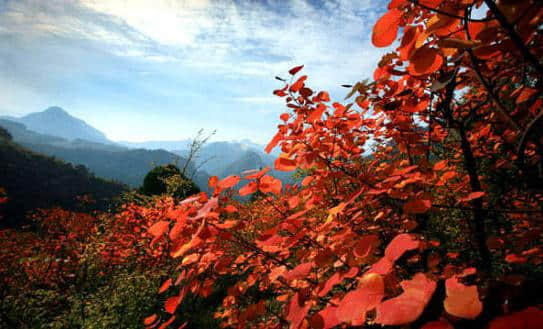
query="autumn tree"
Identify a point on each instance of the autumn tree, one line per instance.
(453, 115)
(168, 179)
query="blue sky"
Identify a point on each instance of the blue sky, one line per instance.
(162, 69)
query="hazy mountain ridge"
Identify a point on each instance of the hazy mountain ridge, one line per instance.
(22, 135)
(110, 161)
(232, 158)
(56, 121)
(158, 145)
(128, 162)
(129, 166)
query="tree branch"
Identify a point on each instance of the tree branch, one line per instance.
(442, 12)
(514, 36)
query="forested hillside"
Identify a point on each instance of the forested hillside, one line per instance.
(34, 181)
(109, 161)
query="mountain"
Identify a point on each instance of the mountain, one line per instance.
(57, 122)
(214, 157)
(159, 145)
(56, 133)
(110, 161)
(22, 135)
(34, 181)
(232, 158)
(248, 160)
(250, 144)
(128, 167)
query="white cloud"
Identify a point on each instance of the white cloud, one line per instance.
(247, 38)
(217, 56)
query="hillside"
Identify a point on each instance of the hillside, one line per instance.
(128, 166)
(33, 181)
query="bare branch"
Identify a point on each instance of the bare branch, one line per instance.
(195, 146)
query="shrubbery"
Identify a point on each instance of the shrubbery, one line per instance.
(419, 204)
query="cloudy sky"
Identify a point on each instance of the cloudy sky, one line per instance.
(162, 69)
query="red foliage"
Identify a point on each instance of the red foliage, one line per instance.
(351, 244)
(442, 146)
(51, 256)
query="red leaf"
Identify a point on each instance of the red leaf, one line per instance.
(307, 180)
(396, 3)
(330, 283)
(369, 293)
(159, 228)
(430, 3)
(299, 272)
(515, 259)
(277, 272)
(167, 323)
(150, 320)
(190, 259)
(285, 164)
(462, 301)
(295, 69)
(473, 196)
(270, 184)
(212, 182)
(165, 286)
(255, 174)
(228, 182)
(417, 206)
(297, 310)
(408, 42)
(230, 209)
(425, 60)
(525, 94)
(365, 246)
(386, 28)
(273, 142)
(248, 189)
(323, 96)
(316, 114)
(171, 304)
(395, 249)
(383, 266)
(284, 116)
(293, 202)
(280, 93)
(408, 306)
(441, 165)
(487, 52)
(195, 241)
(399, 245)
(458, 43)
(299, 84)
(325, 319)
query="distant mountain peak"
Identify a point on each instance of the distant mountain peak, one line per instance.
(56, 110)
(56, 121)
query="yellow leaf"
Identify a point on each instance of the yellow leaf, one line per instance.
(332, 213)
